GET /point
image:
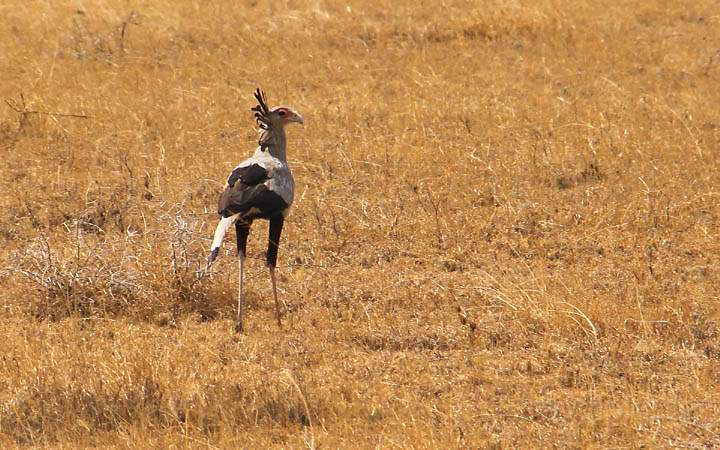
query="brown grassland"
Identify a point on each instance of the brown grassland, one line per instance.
(505, 231)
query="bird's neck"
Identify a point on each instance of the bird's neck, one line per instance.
(273, 141)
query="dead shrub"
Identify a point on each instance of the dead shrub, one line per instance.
(86, 279)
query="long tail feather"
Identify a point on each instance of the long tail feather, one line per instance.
(222, 228)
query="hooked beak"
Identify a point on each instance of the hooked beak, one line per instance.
(299, 119)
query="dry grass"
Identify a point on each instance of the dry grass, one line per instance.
(505, 233)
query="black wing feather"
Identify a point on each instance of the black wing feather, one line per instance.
(248, 175)
(246, 190)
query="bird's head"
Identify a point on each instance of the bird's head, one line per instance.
(282, 115)
(277, 117)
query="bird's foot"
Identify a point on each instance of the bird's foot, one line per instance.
(239, 327)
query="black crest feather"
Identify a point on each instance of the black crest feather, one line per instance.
(261, 111)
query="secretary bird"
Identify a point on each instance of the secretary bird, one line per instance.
(261, 187)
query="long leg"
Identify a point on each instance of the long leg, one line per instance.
(243, 230)
(276, 224)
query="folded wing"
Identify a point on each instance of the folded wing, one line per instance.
(249, 194)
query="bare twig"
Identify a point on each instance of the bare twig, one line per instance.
(23, 110)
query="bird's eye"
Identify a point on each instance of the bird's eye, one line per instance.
(282, 112)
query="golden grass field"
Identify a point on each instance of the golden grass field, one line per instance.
(505, 232)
